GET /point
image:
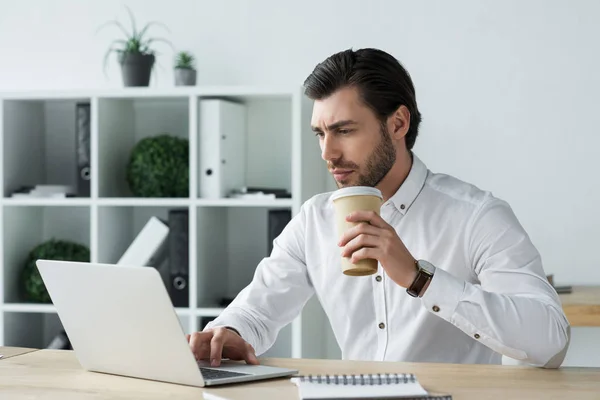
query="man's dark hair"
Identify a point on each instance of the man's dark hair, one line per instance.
(382, 82)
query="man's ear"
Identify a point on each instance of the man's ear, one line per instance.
(399, 122)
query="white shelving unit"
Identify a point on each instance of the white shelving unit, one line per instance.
(228, 237)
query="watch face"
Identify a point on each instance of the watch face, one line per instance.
(426, 266)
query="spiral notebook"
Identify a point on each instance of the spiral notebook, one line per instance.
(364, 386)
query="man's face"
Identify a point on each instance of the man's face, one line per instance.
(354, 143)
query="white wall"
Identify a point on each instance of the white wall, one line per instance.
(508, 89)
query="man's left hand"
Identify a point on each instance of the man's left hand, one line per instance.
(377, 239)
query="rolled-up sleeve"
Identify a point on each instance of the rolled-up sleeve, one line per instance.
(513, 309)
(279, 290)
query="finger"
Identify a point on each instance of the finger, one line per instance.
(358, 242)
(251, 355)
(216, 346)
(203, 352)
(187, 337)
(196, 340)
(367, 216)
(353, 232)
(365, 252)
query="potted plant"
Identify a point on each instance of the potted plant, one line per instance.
(53, 249)
(185, 70)
(134, 52)
(158, 166)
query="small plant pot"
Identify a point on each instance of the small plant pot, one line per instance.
(185, 77)
(136, 68)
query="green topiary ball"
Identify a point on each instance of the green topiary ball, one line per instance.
(159, 167)
(53, 249)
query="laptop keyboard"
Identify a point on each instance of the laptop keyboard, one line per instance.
(211, 373)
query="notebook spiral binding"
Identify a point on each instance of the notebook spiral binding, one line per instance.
(362, 379)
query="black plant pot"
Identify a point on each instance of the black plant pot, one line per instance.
(136, 68)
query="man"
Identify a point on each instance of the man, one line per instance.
(459, 279)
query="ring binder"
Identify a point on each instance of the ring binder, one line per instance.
(363, 386)
(362, 379)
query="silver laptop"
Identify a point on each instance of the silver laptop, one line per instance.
(120, 320)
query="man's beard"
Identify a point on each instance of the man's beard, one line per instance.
(378, 164)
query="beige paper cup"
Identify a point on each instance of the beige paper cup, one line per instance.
(346, 201)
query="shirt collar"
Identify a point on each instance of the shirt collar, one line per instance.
(411, 187)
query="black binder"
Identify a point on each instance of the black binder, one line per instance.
(178, 245)
(278, 219)
(82, 132)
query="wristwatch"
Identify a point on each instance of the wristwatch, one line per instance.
(425, 271)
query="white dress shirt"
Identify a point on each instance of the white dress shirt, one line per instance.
(489, 295)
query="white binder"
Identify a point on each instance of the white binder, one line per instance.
(147, 249)
(222, 147)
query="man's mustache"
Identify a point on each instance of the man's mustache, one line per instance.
(342, 165)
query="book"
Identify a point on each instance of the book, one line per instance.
(363, 386)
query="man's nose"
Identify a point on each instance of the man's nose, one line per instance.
(329, 148)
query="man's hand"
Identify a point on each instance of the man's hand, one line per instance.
(216, 343)
(377, 239)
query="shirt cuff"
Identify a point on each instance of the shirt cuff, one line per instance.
(230, 322)
(443, 294)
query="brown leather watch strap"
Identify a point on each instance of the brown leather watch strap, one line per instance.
(418, 284)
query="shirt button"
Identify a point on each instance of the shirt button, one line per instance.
(378, 278)
(381, 325)
(477, 336)
(435, 308)
(402, 206)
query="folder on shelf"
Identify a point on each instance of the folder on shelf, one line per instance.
(148, 247)
(178, 250)
(83, 133)
(222, 153)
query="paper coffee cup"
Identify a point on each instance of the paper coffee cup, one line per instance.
(346, 201)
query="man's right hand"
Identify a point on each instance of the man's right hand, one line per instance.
(216, 343)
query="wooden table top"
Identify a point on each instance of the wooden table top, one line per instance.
(582, 306)
(8, 352)
(53, 374)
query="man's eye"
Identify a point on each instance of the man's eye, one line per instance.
(344, 131)
(319, 134)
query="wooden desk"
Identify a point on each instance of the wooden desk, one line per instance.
(582, 306)
(52, 374)
(8, 352)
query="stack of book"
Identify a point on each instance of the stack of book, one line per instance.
(260, 193)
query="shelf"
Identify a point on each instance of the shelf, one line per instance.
(70, 201)
(230, 244)
(50, 308)
(119, 225)
(24, 228)
(243, 144)
(228, 237)
(268, 203)
(126, 121)
(41, 142)
(145, 202)
(148, 92)
(29, 308)
(35, 329)
(179, 202)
